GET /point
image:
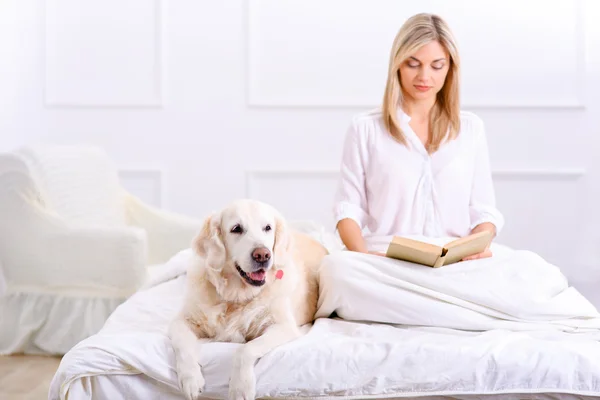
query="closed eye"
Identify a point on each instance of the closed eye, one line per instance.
(436, 67)
(237, 229)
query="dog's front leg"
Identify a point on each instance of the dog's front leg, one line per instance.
(242, 385)
(185, 346)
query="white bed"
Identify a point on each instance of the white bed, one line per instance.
(132, 358)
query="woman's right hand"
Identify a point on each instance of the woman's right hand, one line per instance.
(352, 238)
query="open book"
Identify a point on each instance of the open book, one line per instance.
(436, 256)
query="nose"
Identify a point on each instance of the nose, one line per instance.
(422, 75)
(261, 254)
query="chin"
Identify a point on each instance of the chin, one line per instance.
(430, 94)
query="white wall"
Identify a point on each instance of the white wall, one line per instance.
(204, 101)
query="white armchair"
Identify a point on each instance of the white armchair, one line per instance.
(73, 245)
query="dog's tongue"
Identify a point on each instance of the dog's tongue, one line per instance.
(258, 275)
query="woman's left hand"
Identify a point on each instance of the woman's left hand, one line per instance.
(484, 254)
(486, 226)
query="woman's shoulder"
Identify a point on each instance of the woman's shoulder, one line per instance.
(365, 123)
(469, 121)
(470, 118)
(367, 117)
(373, 118)
(472, 126)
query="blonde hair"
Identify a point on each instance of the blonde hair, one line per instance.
(444, 122)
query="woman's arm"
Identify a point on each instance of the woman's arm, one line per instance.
(485, 226)
(483, 211)
(350, 206)
(484, 214)
(351, 235)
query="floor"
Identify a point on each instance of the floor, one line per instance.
(26, 377)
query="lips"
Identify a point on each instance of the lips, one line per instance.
(422, 88)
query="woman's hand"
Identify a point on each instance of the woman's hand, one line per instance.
(486, 226)
(484, 254)
(377, 253)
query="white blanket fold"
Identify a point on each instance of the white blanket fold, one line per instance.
(515, 290)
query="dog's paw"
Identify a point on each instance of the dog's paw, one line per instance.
(191, 383)
(242, 385)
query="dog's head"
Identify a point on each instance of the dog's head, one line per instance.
(246, 238)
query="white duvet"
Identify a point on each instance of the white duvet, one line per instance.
(501, 326)
(515, 290)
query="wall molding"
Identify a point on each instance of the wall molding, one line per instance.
(253, 175)
(499, 174)
(155, 176)
(545, 174)
(156, 102)
(259, 100)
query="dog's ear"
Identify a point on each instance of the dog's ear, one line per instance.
(283, 241)
(209, 242)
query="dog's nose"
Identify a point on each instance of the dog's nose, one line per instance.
(261, 254)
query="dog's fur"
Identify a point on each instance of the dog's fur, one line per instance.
(221, 304)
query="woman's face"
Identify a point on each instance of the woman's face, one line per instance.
(423, 74)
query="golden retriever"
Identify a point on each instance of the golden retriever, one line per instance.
(254, 282)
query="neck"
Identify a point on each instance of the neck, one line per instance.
(418, 110)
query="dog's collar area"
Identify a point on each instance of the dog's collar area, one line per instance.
(248, 279)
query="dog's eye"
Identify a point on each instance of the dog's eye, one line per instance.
(267, 228)
(236, 229)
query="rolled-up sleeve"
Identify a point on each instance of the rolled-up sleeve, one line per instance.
(483, 197)
(350, 197)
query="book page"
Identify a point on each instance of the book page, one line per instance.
(414, 251)
(467, 246)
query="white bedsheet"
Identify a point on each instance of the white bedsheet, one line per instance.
(132, 358)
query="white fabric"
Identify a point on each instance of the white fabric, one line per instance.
(514, 289)
(36, 322)
(40, 323)
(330, 241)
(167, 232)
(41, 250)
(80, 183)
(139, 386)
(73, 243)
(132, 357)
(389, 189)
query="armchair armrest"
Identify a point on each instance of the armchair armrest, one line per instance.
(102, 258)
(42, 252)
(167, 232)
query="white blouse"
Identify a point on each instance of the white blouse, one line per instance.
(389, 189)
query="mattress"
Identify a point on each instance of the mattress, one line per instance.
(131, 357)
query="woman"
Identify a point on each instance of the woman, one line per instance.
(417, 166)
